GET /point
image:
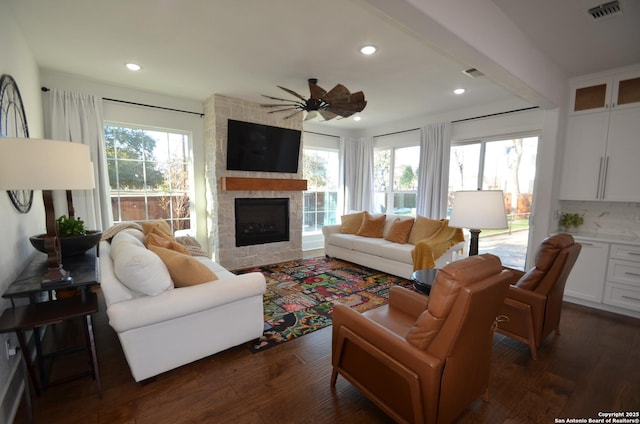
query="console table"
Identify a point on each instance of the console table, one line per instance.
(18, 319)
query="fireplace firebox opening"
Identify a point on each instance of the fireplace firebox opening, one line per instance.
(261, 220)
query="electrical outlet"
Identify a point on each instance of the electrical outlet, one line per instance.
(11, 350)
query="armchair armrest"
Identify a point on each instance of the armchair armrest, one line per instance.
(516, 274)
(147, 310)
(381, 339)
(408, 301)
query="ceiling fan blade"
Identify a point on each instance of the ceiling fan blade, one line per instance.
(283, 110)
(278, 104)
(356, 97)
(293, 114)
(347, 106)
(327, 115)
(293, 93)
(276, 98)
(316, 91)
(336, 94)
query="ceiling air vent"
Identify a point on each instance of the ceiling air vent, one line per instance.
(605, 10)
(472, 73)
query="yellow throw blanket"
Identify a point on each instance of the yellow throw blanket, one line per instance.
(426, 252)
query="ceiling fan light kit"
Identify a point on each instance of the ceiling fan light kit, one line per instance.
(337, 102)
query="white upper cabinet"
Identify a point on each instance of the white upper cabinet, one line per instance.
(605, 93)
(602, 144)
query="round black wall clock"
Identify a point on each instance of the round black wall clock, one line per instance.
(13, 123)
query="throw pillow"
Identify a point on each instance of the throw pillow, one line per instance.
(137, 268)
(399, 231)
(192, 245)
(162, 240)
(423, 227)
(351, 223)
(156, 226)
(372, 226)
(185, 270)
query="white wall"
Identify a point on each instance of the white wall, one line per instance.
(15, 250)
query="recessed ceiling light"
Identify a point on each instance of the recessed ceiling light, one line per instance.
(357, 118)
(368, 50)
(459, 90)
(133, 66)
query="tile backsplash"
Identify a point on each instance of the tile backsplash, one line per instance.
(611, 218)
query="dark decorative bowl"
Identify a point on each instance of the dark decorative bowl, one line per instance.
(72, 245)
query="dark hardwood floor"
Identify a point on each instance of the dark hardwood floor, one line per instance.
(593, 366)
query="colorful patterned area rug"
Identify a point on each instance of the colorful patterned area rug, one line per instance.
(300, 295)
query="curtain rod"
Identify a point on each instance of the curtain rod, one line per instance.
(45, 89)
(495, 114)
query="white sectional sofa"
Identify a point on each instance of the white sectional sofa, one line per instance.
(162, 327)
(376, 252)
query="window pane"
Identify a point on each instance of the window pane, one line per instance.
(464, 166)
(320, 168)
(405, 168)
(382, 169)
(149, 175)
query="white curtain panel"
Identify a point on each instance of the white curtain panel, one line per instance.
(357, 168)
(78, 117)
(433, 178)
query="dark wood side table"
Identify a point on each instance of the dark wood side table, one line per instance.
(18, 319)
(36, 315)
(423, 279)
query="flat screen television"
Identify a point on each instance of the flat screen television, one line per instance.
(256, 147)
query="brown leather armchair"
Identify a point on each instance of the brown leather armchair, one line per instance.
(424, 359)
(534, 300)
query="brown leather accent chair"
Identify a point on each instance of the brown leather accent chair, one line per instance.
(424, 359)
(534, 300)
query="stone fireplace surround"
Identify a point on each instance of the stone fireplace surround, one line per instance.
(221, 201)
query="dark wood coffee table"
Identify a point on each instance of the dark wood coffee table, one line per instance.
(423, 279)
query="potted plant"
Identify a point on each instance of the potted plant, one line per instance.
(75, 239)
(570, 220)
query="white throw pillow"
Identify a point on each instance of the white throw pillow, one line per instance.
(138, 268)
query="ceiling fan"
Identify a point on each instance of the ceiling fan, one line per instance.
(339, 101)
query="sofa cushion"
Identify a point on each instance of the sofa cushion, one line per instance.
(185, 270)
(370, 245)
(372, 226)
(399, 231)
(397, 252)
(351, 223)
(423, 227)
(342, 240)
(139, 269)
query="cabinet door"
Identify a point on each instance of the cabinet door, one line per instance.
(584, 156)
(592, 95)
(586, 280)
(622, 178)
(626, 90)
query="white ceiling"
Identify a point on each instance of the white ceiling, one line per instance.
(244, 48)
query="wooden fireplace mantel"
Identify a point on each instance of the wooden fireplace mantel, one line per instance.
(268, 184)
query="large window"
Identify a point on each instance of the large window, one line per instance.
(508, 165)
(396, 179)
(320, 169)
(149, 174)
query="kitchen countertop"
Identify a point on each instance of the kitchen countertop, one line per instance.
(608, 238)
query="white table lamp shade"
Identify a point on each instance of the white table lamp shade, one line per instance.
(479, 209)
(35, 164)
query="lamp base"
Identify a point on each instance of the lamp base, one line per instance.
(473, 242)
(56, 277)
